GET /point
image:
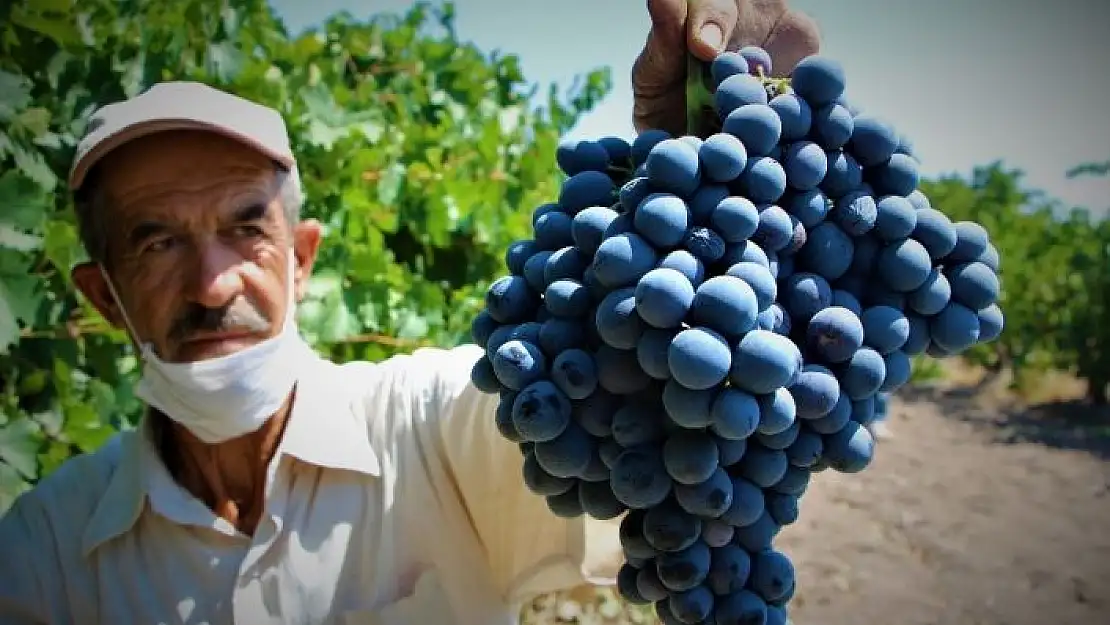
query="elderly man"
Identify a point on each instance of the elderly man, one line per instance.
(267, 485)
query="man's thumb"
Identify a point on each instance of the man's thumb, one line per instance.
(709, 26)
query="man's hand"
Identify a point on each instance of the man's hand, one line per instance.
(705, 28)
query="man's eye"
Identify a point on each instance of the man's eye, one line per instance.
(160, 244)
(247, 231)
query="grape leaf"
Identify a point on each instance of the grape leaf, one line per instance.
(15, 95)
(324, 315)
(20, 441)
(411, 325)
(19, 297)
(50, 19)
(15, 240)
(63, 246)
(11, 485)
(84, 427)
(24, 203)
(35, 120)
(225, 60)
(31, 163)
(390, 184)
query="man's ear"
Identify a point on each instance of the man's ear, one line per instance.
(306, 245)
(93, 285)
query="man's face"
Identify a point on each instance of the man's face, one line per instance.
(198, 245)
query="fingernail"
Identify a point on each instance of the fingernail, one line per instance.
(712, 35)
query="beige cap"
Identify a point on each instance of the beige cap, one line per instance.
(176, 106)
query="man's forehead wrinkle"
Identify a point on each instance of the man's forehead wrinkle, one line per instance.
(168, 199)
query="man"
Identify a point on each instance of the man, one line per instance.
(267, 485)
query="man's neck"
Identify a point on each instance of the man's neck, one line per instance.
(229, 477)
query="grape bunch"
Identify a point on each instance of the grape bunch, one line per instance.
(698, 325)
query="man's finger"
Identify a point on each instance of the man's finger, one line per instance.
(755, 21)
(657, 86)
(668, 17)
(709, 26)
(794, 37)
(659, 64)
(659, 72)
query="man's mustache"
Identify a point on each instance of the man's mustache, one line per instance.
(239, 315)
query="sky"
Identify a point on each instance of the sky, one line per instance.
(969, 81)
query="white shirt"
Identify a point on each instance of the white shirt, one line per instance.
(392, 500)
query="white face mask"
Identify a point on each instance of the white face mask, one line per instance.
(229, 396)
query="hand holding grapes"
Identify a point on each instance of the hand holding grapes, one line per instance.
(704, 28)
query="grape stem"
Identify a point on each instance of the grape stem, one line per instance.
(700, 101)
(699, 97)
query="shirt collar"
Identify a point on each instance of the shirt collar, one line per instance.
(327, 428)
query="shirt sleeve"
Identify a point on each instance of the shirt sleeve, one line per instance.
(531, 550)
(20, 595)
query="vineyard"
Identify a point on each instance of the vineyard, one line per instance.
(424, 158)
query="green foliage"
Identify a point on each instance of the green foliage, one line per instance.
(422, 157)
(926, 369)
(1055, 275)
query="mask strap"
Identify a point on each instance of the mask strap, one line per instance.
(291, 294)
(291, 277)
(122, 309)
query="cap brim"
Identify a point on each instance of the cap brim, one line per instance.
(144, 128)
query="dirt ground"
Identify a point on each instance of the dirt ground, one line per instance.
(982, 510)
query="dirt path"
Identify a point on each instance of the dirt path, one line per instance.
(977, 513)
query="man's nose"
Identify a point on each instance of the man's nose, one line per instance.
(218, 280)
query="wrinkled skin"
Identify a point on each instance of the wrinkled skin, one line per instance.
(197, 245)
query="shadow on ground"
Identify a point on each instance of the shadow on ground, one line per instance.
(1069, 424)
